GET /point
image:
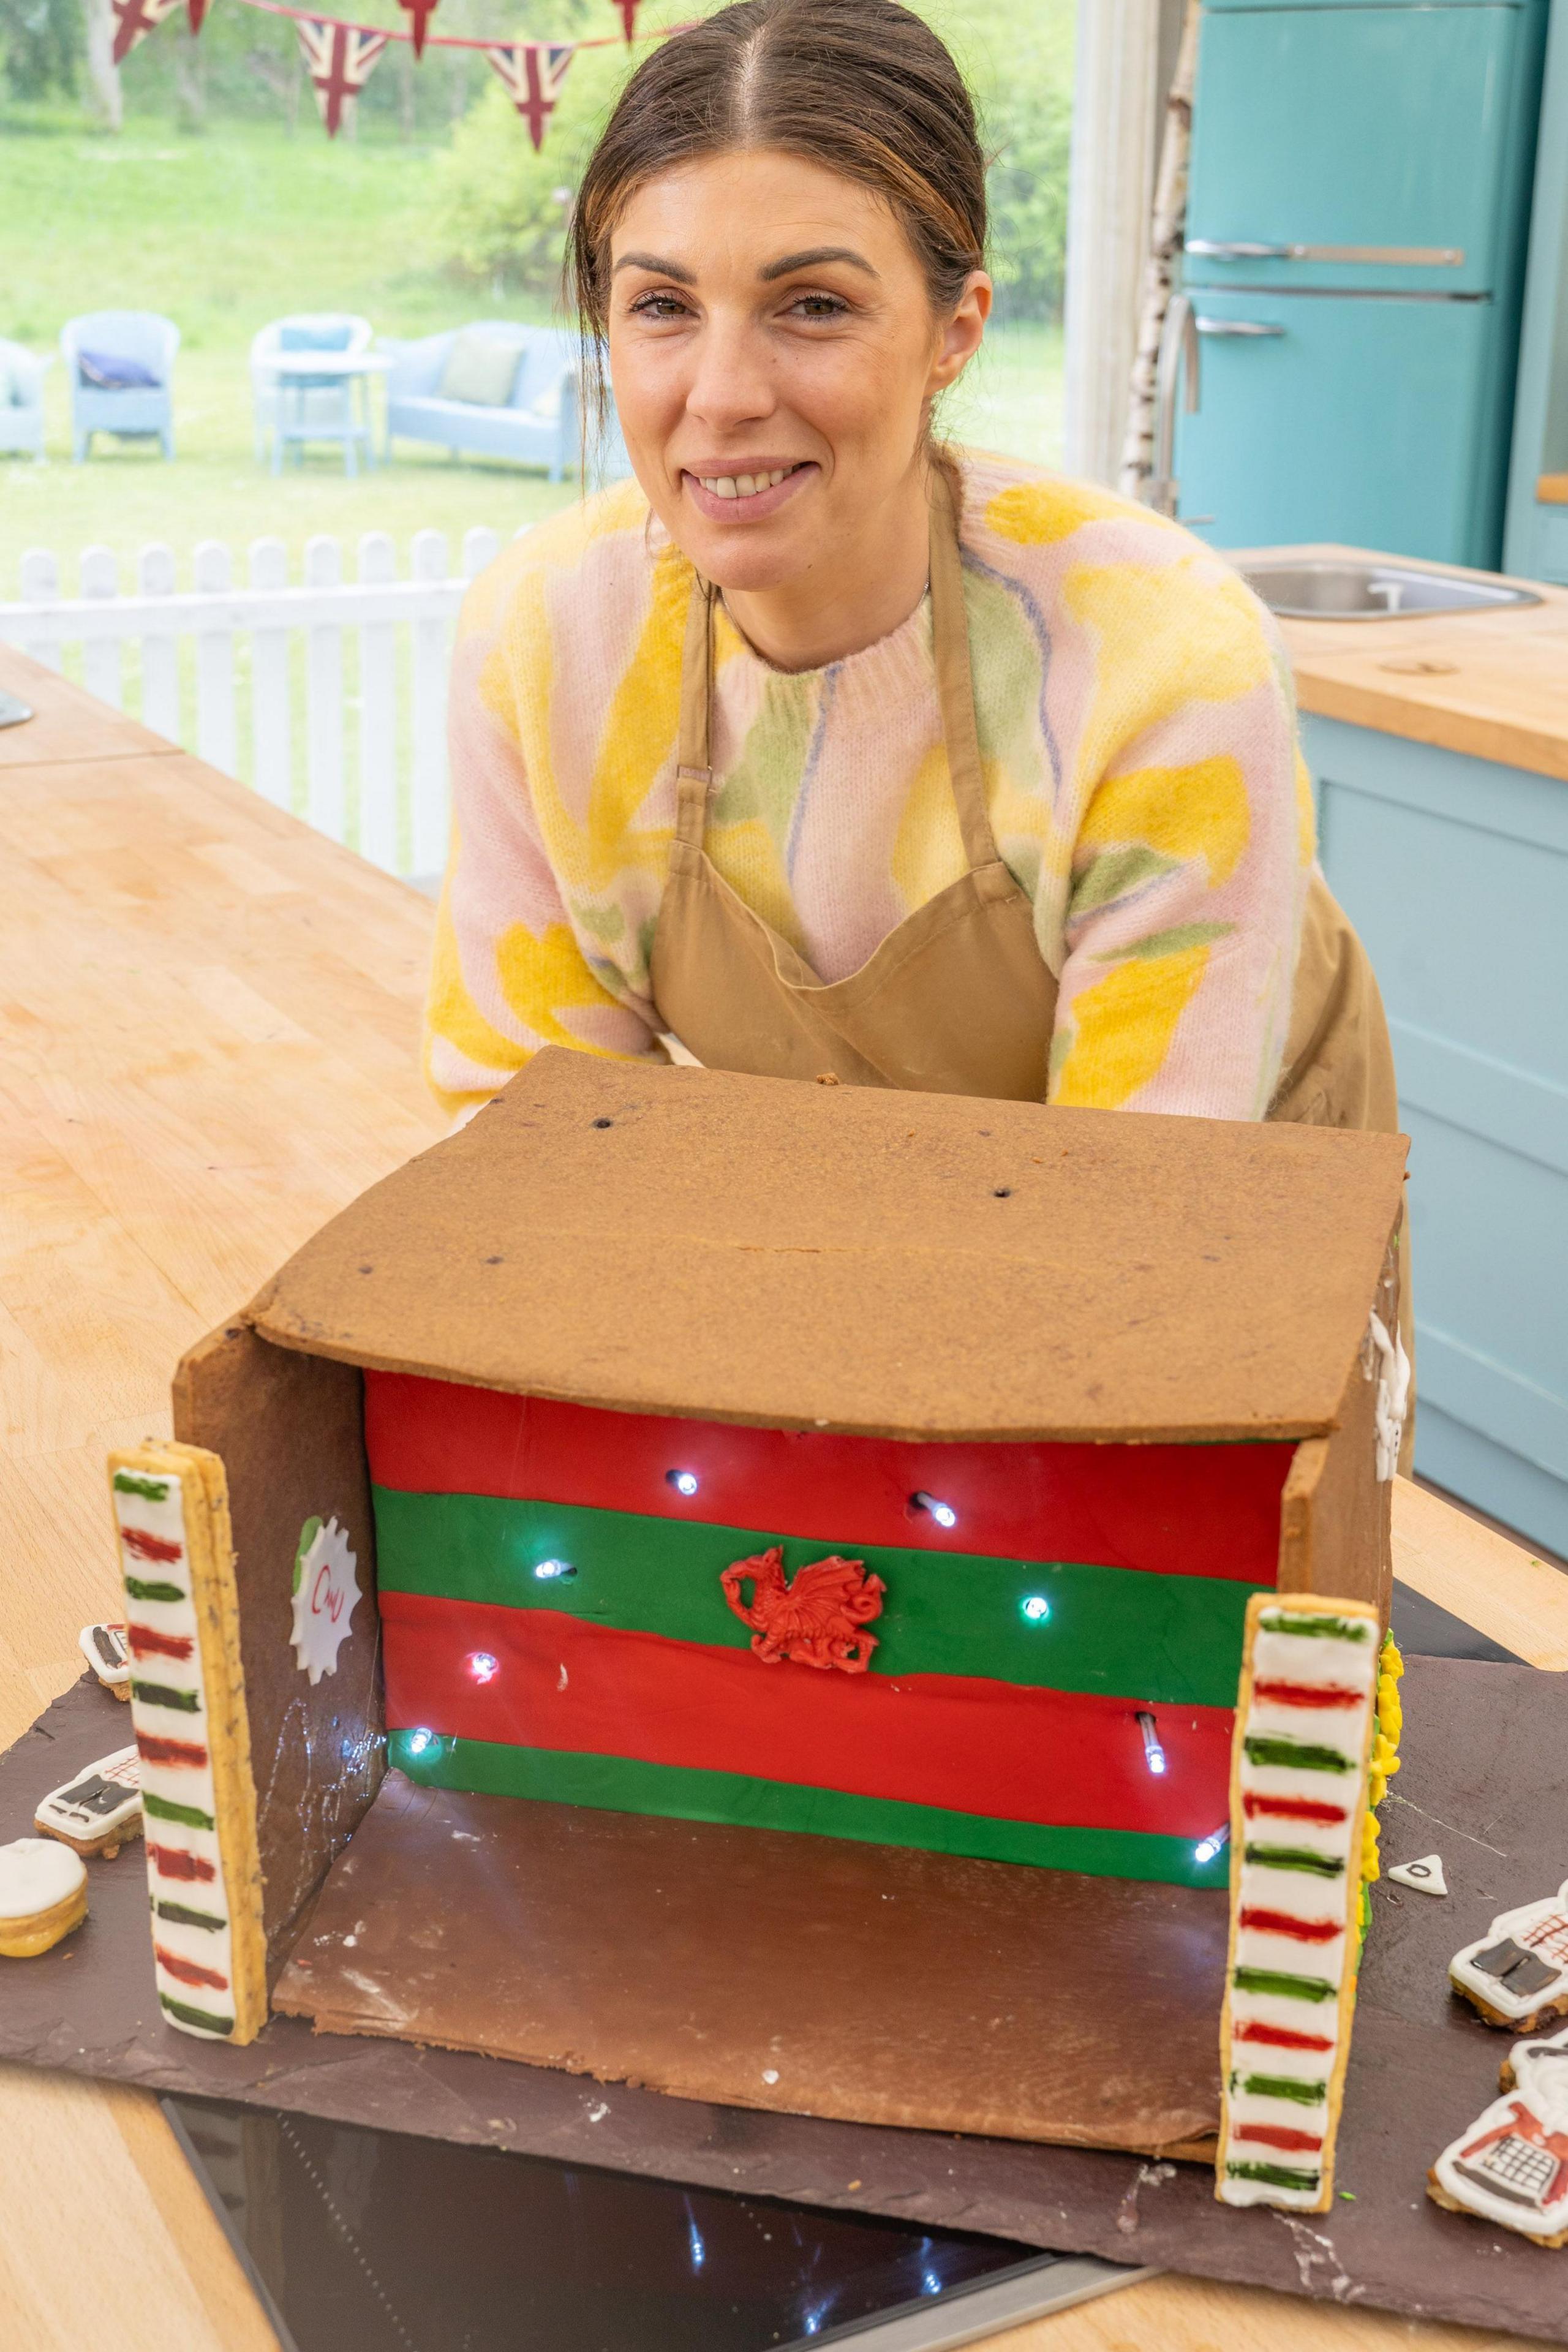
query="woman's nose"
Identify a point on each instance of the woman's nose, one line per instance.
(731, 383)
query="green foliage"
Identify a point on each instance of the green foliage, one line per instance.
(40, 45)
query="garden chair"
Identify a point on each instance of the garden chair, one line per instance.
(21, 401)
(121, 366)
(292, 407)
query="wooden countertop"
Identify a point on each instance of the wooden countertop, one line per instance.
(207, 1027)
(1492, 684)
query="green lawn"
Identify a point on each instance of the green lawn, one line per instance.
(227, 231)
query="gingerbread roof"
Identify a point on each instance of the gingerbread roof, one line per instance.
(900, 1265)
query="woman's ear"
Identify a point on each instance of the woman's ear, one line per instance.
(960, 338)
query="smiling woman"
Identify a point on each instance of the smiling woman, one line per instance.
(831, 750)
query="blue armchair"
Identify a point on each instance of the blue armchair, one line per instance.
(144, 411)
(536, 423)
(21, 401)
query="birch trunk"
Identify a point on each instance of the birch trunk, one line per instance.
(97, 18)
(1159, 270)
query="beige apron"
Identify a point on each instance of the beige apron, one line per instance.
(957, 999)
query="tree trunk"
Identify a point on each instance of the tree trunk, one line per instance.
(1166, 229)
(190, 81)
(104, 74)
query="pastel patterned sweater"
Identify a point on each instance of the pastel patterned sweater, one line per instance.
(1137, 734)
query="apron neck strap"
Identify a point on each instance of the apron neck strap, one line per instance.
(955, 681)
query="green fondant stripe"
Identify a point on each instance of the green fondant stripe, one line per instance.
(1332, 1629)
(206, 2018)
(140, 1589)
(187, 1702)
(1277, 2176)
(622, 1785)
(1288, 1986)
(1296, 1857)
(163, 1809)
(1172, 1640)
(152, 1490)
(1297, 1755)
(181, 1915)
(1281, 2086)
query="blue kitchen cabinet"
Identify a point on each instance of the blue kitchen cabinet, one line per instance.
(1455, 871)
(1357, 227)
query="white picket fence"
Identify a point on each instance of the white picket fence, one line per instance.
(254, 680)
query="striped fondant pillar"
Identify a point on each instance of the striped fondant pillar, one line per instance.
(1055, 1657)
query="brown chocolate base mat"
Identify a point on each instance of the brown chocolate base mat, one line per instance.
(1485, 1784)
(816, 1976)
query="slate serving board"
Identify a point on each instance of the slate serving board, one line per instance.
(1485, 1784)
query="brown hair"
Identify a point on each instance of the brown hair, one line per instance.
(863, 86)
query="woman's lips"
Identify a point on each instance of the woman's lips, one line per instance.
(719, 508)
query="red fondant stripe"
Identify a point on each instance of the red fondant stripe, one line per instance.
(153, 1749)
(173, 1862)
(188, 1971)
(966, 1743)
(1306, 1694)
(1280, 1923)
(1291, 1809)
(147, 1643)
(146, 1546)
(1279, 2037)
(1280, 2136)
(1178, 1510)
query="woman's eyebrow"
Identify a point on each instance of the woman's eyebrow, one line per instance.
(651, 261)
(817, 253)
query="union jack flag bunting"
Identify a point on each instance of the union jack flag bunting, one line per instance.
(340, 58)
(134, 19)
(533, 72)
(421, 11)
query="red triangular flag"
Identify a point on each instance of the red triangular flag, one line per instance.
(340, 58)
(533, 72)
(421, 11)
(627, 10)
(196, 10)
(133, 20)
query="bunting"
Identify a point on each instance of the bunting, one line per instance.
(339, 58)
(133, 20)
(196, 10)
(627, 10)
(533, 72)
(420, 12)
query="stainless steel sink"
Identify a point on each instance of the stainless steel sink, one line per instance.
(1327, 590)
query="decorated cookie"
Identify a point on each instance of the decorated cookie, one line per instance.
(192, 1739)
(1517, 1973)
(1299, 1774)
(43, 1895)
(1426, 1877)
(1511, 2167)
(98, 1809)
(104, 1647)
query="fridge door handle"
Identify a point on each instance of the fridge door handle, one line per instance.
(1375, 256)
(1241, 327)
(1244, 249)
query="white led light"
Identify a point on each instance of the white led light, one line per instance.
(1208, 1847)
(548, 1569)
(418, 1741)
(482, 1666)
(1036, 1608)
(1154, 1754)
(942, 1513)
(685, 1482)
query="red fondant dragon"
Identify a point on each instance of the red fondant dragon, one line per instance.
(817, 1620)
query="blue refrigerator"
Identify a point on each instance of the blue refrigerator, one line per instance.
(1357, 220)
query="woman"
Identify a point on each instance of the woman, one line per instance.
(830, 751)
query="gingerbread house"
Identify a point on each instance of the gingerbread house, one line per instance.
(742, 1586)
